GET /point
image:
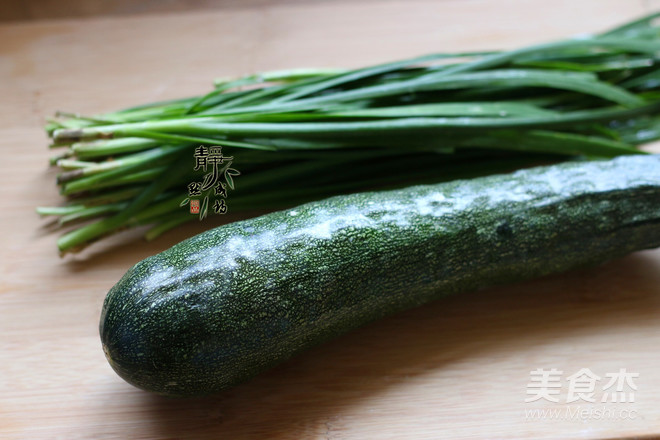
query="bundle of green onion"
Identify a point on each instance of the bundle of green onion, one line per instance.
(301, 135)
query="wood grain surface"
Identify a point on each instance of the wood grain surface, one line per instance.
(458, 368)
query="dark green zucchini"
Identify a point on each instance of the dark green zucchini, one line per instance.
(224, 305)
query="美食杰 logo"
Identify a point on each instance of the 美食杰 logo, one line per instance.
(582, 395)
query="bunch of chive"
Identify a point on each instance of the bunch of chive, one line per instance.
(304, 134)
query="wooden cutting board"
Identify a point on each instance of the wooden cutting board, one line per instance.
(458, 368)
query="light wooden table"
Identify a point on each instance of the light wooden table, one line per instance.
(458, 368)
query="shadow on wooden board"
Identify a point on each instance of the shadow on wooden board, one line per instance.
(302, 394)
(52, 9)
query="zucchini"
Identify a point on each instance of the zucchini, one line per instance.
(220, 307)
